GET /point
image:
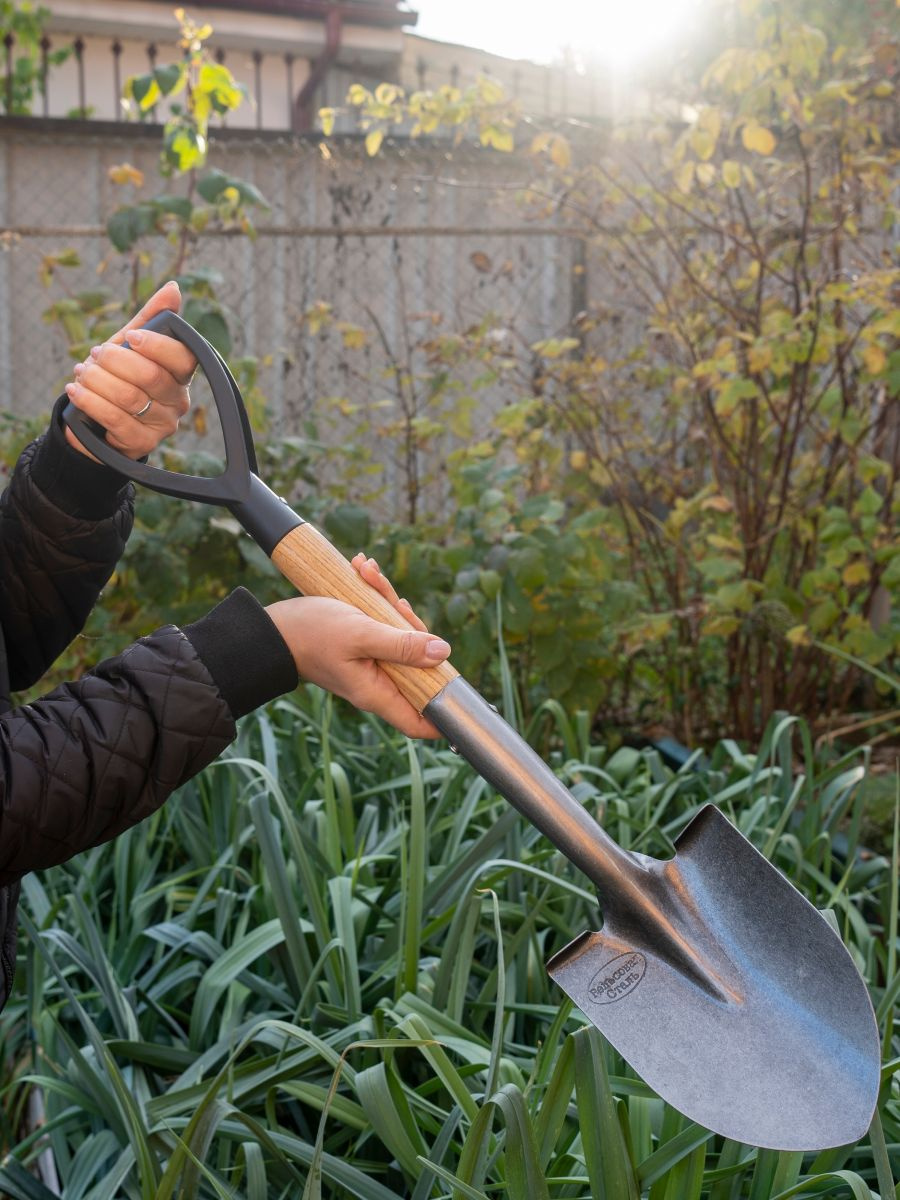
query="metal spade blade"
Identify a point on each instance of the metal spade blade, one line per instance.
(724, 989)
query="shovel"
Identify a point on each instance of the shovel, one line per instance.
(725, 990)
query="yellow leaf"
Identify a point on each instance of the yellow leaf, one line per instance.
(387, 93)
(717, 503)
(706, 173)
(798, 635)
(374, 138)
(759, 356)
(126, 173)
(497, 137)
(703, 144)
(731, 173)
(685, 176)
(758, 139)
(875, 358)
(578, 460)
(855, 572)
(326, 117)
(489, 91)
(354, 338)
(560, 152)
(721, 626)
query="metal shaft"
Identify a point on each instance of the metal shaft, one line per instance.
(519, 774)
(634, 892)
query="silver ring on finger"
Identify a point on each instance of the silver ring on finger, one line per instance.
(143, 411)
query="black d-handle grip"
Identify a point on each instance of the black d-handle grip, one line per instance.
(263, 514)
(228, 487)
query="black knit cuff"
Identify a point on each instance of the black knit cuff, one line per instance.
(244, 652)
(73, 482)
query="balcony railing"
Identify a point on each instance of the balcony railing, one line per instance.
(88, 83)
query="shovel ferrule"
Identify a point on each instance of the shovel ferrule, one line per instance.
(264, 515)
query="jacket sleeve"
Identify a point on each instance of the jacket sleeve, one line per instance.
(94, 757)
(64, 522)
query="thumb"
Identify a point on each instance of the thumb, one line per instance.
(168, 296)
(405, 646)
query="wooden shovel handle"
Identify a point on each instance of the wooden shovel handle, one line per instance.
(316, 568)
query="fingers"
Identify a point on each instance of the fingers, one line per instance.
(165, 352)
(370, 571)
(129, 378)
(168, 296)
(114, 384)
(407, 647)
(124, 432)
(338, 647)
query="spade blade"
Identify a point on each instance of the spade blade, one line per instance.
(772, 1041)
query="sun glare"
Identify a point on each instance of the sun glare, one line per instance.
(620, 33)
(623, 32)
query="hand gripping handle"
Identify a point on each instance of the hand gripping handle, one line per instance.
(300, 552)
(316, 568)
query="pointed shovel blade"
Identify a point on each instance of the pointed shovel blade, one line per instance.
(774, 1043)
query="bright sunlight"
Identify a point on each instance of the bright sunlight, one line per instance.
(620, 33)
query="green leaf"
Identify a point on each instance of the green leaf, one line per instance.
(170, 78)
(213, 184)
(184, 147)
(179, 206)
(144, 89)
(127, 225)
(349, 525)
(208, 322)
(20, 1184)
(555, 347)
(609, 1168)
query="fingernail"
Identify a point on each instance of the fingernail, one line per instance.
(135, 337)
(405, 603)
(373, 563)
(71, 389)
(77, 369)
(95, 351)
(437, 649)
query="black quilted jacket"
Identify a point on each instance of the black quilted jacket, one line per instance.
(94, 757)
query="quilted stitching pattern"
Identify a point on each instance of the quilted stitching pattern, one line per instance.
(94, 757)
(53, 569)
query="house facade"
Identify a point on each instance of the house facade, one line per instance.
(293, 56)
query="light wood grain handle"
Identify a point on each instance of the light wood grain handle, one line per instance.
(316, 568)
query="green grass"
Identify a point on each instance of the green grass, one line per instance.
(318, 972)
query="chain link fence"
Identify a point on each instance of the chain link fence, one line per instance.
(356, 267)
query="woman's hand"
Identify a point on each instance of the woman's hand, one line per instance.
(138, 395)
(339, 648)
